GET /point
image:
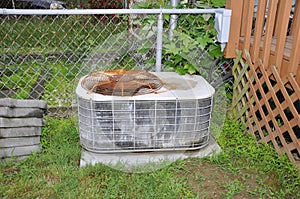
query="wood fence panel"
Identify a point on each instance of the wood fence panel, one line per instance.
(239, 106)
(295, 18)
(235, 26)
(295, 51)
(266, 93)
(274, 109)
(248, 25)
(281, 29)
(270, 24)
(259, 25)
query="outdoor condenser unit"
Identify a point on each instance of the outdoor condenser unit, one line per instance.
(135, 111)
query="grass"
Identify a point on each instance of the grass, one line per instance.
(51, 48)
(59, 77)
(50, 34)
(243, 170)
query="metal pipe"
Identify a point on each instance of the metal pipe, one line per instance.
(13, 4)
(173, 19)
(4, 11)
(159, 42)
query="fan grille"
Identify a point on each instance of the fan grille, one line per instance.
(122, 82)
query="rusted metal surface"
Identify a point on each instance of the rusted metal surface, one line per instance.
(122, 82)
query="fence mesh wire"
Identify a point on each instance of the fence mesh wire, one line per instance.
(43, 56)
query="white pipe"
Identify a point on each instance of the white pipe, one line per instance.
(13, 4)
(173, 19)
(4, 11)
(159, 42)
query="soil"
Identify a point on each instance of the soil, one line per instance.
(213, 181)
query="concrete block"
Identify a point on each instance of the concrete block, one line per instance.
(20, 132)
(9, 102)
(20, 127)
(20, 141)
(15, 159)
(19, 151)
(18, 122)
(143, 161)
(20, 112)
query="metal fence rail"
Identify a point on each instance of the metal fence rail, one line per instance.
(43, 53)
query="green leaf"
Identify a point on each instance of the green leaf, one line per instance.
(180, 70)
(167, 18)
(218, 3)
(215, 51)
(203, 41)
(190, 69)
(178, 59)
(172, 49)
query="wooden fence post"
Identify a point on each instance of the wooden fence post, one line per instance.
(235, 25)
(280, 32)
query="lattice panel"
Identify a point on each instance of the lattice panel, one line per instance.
(240, 88)
(274, 108)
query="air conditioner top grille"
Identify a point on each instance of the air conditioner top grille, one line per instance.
(169, 86)
(121, 82)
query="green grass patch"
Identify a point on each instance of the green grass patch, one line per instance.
(55, 79)
(243, 170)
(50, 34)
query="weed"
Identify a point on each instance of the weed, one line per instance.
(233, 187)
(242, 152)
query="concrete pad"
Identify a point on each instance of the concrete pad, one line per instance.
(145, 161)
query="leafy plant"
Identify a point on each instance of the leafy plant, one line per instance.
(211, 3)
(192, 48)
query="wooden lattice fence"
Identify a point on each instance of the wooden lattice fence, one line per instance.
(269, 105)
(240, 88)
(266, 93)
(274, 109)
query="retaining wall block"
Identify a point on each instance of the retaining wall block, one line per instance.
(20, 127)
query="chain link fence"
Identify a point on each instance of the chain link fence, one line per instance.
(42, 56)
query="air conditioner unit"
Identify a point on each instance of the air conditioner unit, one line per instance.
(175, 116)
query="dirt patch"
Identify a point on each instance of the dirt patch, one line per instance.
(211, 181)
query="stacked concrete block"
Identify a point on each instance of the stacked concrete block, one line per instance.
(20, 127)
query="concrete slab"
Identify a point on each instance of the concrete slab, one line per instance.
(145, 161)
